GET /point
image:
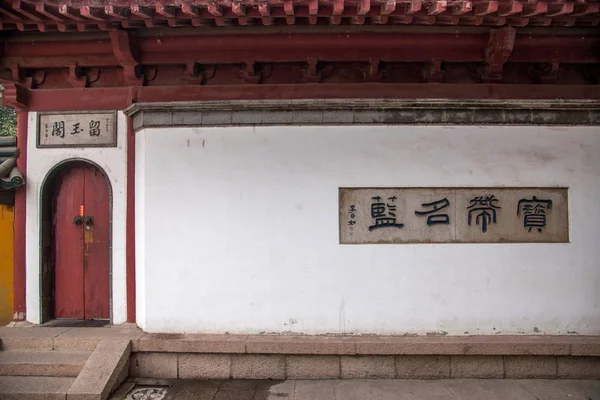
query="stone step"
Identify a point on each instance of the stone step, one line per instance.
(34, 387)
(42, 362)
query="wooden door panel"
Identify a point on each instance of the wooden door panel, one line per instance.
(96, 245)
(68, 245)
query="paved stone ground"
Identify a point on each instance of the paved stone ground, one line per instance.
(380, 389)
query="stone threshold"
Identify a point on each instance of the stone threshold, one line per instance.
(370, 345)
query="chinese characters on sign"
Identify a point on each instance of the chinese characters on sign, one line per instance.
(384, 214)
(453, 215)
(77, 130)
(435, 207)
(484, 209)
(534, 212)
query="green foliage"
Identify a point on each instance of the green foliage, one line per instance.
(8, 120)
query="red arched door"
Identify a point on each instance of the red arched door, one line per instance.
(81, 243)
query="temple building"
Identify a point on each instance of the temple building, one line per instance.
(344, 167)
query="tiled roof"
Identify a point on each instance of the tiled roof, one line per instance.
(83, 15)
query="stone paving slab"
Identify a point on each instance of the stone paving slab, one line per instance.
(34, 388)
(42, 363)
(29, 337)
(88, 338)
(181, 343)
(382, 389)
(36, 337)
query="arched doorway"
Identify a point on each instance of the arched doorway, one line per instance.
(76, 243)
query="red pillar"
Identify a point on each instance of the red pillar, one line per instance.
(20, 210)
(130, 221)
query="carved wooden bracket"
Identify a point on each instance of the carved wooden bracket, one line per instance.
(125, 51)
(313, 11)
(338, 9)
(546, 72)
(251, 73)
(197, 74)
(432, 72)
(15, 96)
(372, 73)
(497, 52)
(29, 80)
(77, 78)
(313, 74)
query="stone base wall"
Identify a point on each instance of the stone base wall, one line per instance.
(262, 366)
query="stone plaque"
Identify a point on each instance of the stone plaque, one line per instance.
(93, 129)
(453, 215)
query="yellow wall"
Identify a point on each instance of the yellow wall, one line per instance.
(7, 218)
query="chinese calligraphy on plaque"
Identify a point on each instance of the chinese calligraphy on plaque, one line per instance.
(453, 215)
(77, 130)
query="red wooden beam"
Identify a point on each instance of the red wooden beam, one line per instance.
(338, 47)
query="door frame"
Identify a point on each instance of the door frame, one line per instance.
(46, 268)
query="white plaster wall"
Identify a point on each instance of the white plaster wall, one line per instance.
(39, 163)
(238, 232)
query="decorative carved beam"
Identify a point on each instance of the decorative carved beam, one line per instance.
(165, 11)
(432, 72)
(92, 13)
(215, 10)
(193, 12)
(586, 9)
(497, 52)
(288, 8)
(10, 14)
(65, 10)
(535, 9)
(142, 12)
(313, 11)
(77, 78)
(510, 9)
(42, 9)
(265, 12)
(566, 8)
(364, 6)
(15, 96)
(462, 8)
(437, 7)
(240, 10)
(117, 12)
(125, 51)
(372, 73)
(249, 73)
(312, 74)
(18, 5)
(198, 75)
(486, 9)
(388, 7)
(413, 7)
(338, 9)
